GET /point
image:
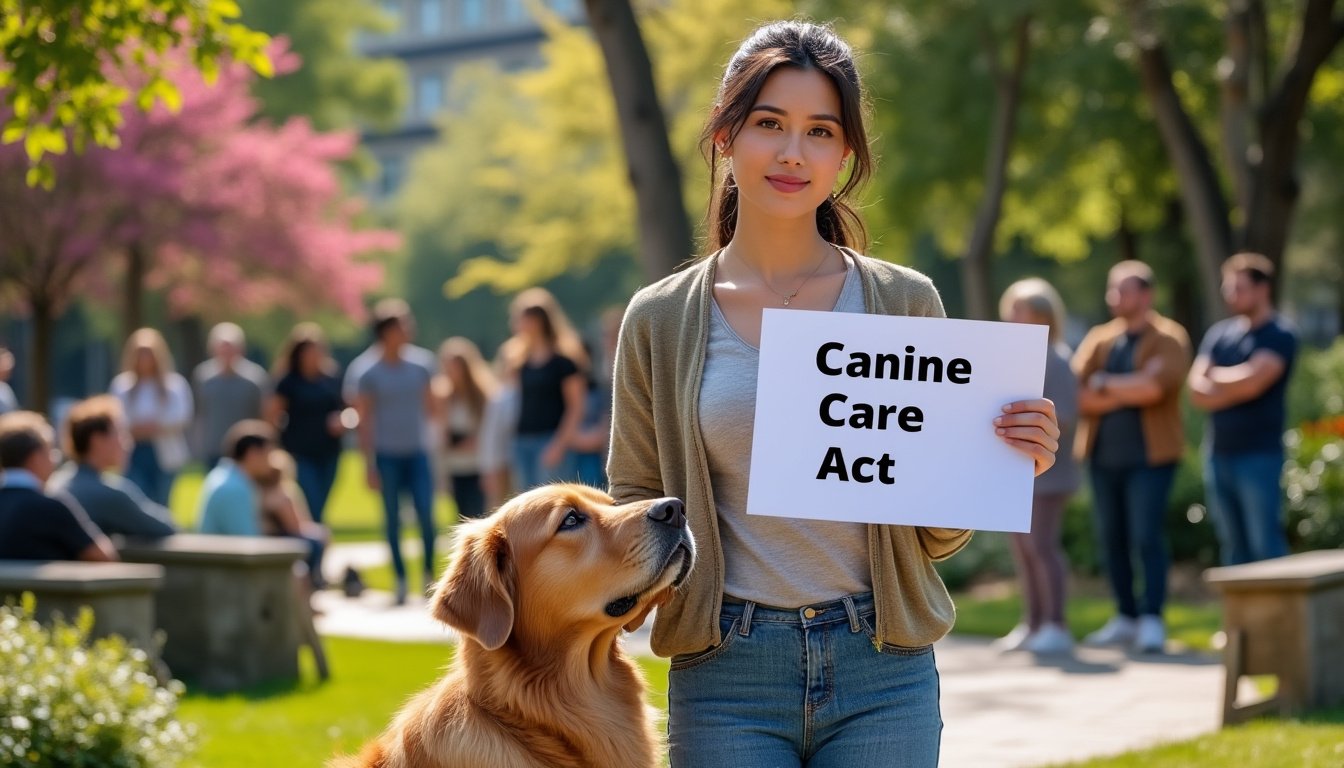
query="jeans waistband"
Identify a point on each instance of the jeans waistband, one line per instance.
(845, 610)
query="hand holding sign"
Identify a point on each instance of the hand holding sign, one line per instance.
(871, 418)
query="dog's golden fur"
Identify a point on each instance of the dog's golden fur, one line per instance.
(540, 678)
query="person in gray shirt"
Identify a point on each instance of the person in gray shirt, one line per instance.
(229, 388)
(97, 441)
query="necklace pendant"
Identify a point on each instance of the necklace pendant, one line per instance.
(787, 299)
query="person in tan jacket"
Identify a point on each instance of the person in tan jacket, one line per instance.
(1130, 372)
(793, 641)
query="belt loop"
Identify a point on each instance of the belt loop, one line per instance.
(852, 612)
(744, 628)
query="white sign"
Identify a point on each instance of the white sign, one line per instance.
(881, 419)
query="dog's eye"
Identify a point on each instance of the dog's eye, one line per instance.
(572, 520)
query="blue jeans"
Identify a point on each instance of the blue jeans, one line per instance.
(788, 689)
(590, 469)
(143, 469)
(1246, 504)
(407, 474)
(528, 471)
(315, 477)
(1131, 511)
(468, 495)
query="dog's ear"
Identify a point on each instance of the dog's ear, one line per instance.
(638, 620)
(476, 595)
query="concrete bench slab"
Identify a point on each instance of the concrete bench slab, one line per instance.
(120, 594)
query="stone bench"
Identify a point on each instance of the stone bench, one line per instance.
(228, 607)
(1284, 617)
(120, 594)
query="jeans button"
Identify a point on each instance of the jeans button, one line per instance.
(809, 613)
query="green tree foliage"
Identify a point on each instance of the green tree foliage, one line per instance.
(335, 85)
(56, 58)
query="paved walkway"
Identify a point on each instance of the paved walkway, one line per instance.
(1000, 710)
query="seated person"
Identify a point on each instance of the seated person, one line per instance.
(34, 526)
(230, 497)
(98, 440)
(284, 512)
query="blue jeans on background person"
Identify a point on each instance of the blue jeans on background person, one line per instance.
(407, 474)
(468, 495)
(315, 477)
(1131, 512)
(1246, 503)
(590, 469)
(803, 687)
(143, 469)
(528, 471)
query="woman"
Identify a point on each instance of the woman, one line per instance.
(284, 512)
(463, 389)
(545, 361)
(1041, 567)
(158, 406)
(307, 408)
(793, 642)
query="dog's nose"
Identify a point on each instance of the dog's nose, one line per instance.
(668, 512)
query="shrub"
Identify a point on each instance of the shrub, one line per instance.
(1314, 485)
(66, 702)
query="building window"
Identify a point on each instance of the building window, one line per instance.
(431, 17)
(428, 94)
(392, 10)
(394, 173)
(472, 13)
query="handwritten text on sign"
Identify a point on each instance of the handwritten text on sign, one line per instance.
(879, 419)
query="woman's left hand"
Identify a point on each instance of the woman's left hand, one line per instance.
(1031, 427)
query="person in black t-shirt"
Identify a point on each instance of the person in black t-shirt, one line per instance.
(1241, 378)
(34, 526)
(546, 360)
(307, 409)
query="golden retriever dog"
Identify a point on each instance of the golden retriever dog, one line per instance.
(540, 592)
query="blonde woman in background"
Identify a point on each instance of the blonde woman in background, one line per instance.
(546, 361)
(1041, 565)
(464, 389)
(158, 405)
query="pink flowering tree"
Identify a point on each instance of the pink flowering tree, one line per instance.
(226, 214)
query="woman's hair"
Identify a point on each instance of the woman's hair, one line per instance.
(280, 468)
(151, 340)
(1041, 298)
(555, 327)
(480, 383)
(303, 335)
(805, 46)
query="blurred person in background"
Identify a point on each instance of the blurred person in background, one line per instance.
(285, 513)
(230, 503)
(229, 388)
(396, 418)
(463, 389)
(1130, 372)
(98, 443)
(1042, 569)
(307, 408)
(1241, 378)
(546, 361)
(33, 524)
(158, 405)
(8, 402)
(590, 443)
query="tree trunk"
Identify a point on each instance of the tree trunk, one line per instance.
(976, 271)
(133, 313)
(1205, 204)
(39, 377)
(665, 239)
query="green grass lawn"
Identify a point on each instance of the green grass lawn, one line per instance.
(305, 723)
(354, 513)
(1316, 741)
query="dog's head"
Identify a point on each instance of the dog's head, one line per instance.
(563, 558)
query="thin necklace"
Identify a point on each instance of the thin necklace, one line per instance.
(790, 297)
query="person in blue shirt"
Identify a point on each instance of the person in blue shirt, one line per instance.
(230, 499)
(1241, 378)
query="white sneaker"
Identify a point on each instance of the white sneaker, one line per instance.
(1050, 639)
(1151, 636)
(1120, 630)
(1014, 640)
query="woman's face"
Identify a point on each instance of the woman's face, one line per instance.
(788, 154)
(310, 359)
(455, 369)
(145, 364)
(1023, 313)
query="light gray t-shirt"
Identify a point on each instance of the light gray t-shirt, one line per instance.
(779, 561)
(397, 395)
(224, 398)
